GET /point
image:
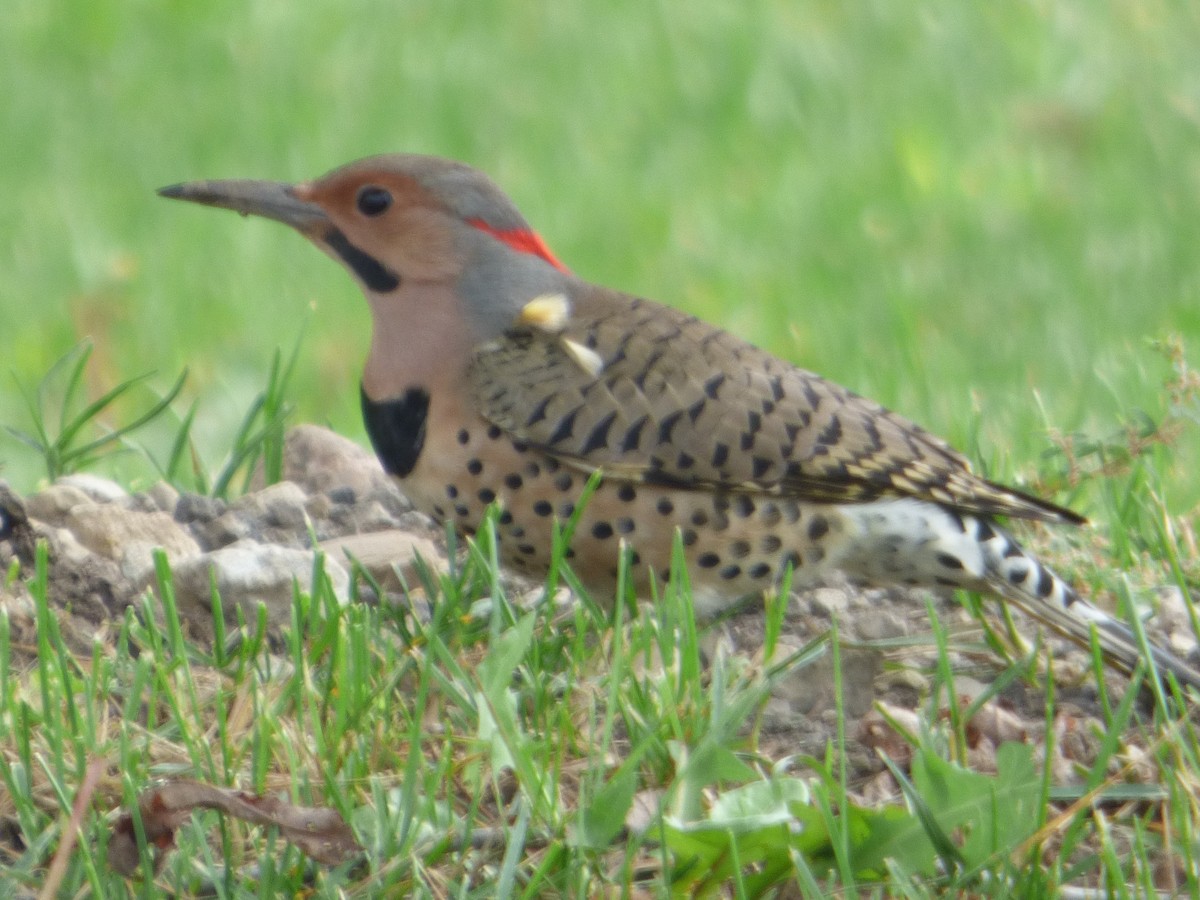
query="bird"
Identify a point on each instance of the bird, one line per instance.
(495, 375)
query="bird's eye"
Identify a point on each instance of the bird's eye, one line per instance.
(373, 201)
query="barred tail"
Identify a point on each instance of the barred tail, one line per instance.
(1019, 578)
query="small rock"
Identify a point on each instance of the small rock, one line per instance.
(907, 679)
(82, 582)
(318, 508)
(345, 495)
(164, 497)
(197, 508)
(1182, 644)
(283, 505)
(15, 602)
(100, 490)
(811, 689)
(321, 461)
(246, 574)
(382, 553)
(64, 546)
(107, 529)
(388, 495)
(140, 503)
(373, 516)
(829, 601)
(54, 503)
(1172, 607)
(1175, 621)
(999, 724)
(225, 529)
(137, 558)
(880, 625)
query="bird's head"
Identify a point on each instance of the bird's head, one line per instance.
(405, 226)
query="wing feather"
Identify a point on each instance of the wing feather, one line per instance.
(645, 392)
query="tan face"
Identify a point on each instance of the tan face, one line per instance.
(390, 218)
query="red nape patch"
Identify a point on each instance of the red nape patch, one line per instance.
(521, 240)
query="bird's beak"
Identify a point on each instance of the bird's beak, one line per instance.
(269, 199)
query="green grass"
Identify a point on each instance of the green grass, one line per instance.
(948, 209)
(496, 749)
(982, 216)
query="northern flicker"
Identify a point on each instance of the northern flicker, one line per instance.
(497, 376)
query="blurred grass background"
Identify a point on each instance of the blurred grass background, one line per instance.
(949, 207)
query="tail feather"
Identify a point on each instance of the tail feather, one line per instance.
(1022, 580)
(914, 542)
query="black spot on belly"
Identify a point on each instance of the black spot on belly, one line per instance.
(397, 429)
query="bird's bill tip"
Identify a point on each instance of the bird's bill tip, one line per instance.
(269, 199)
